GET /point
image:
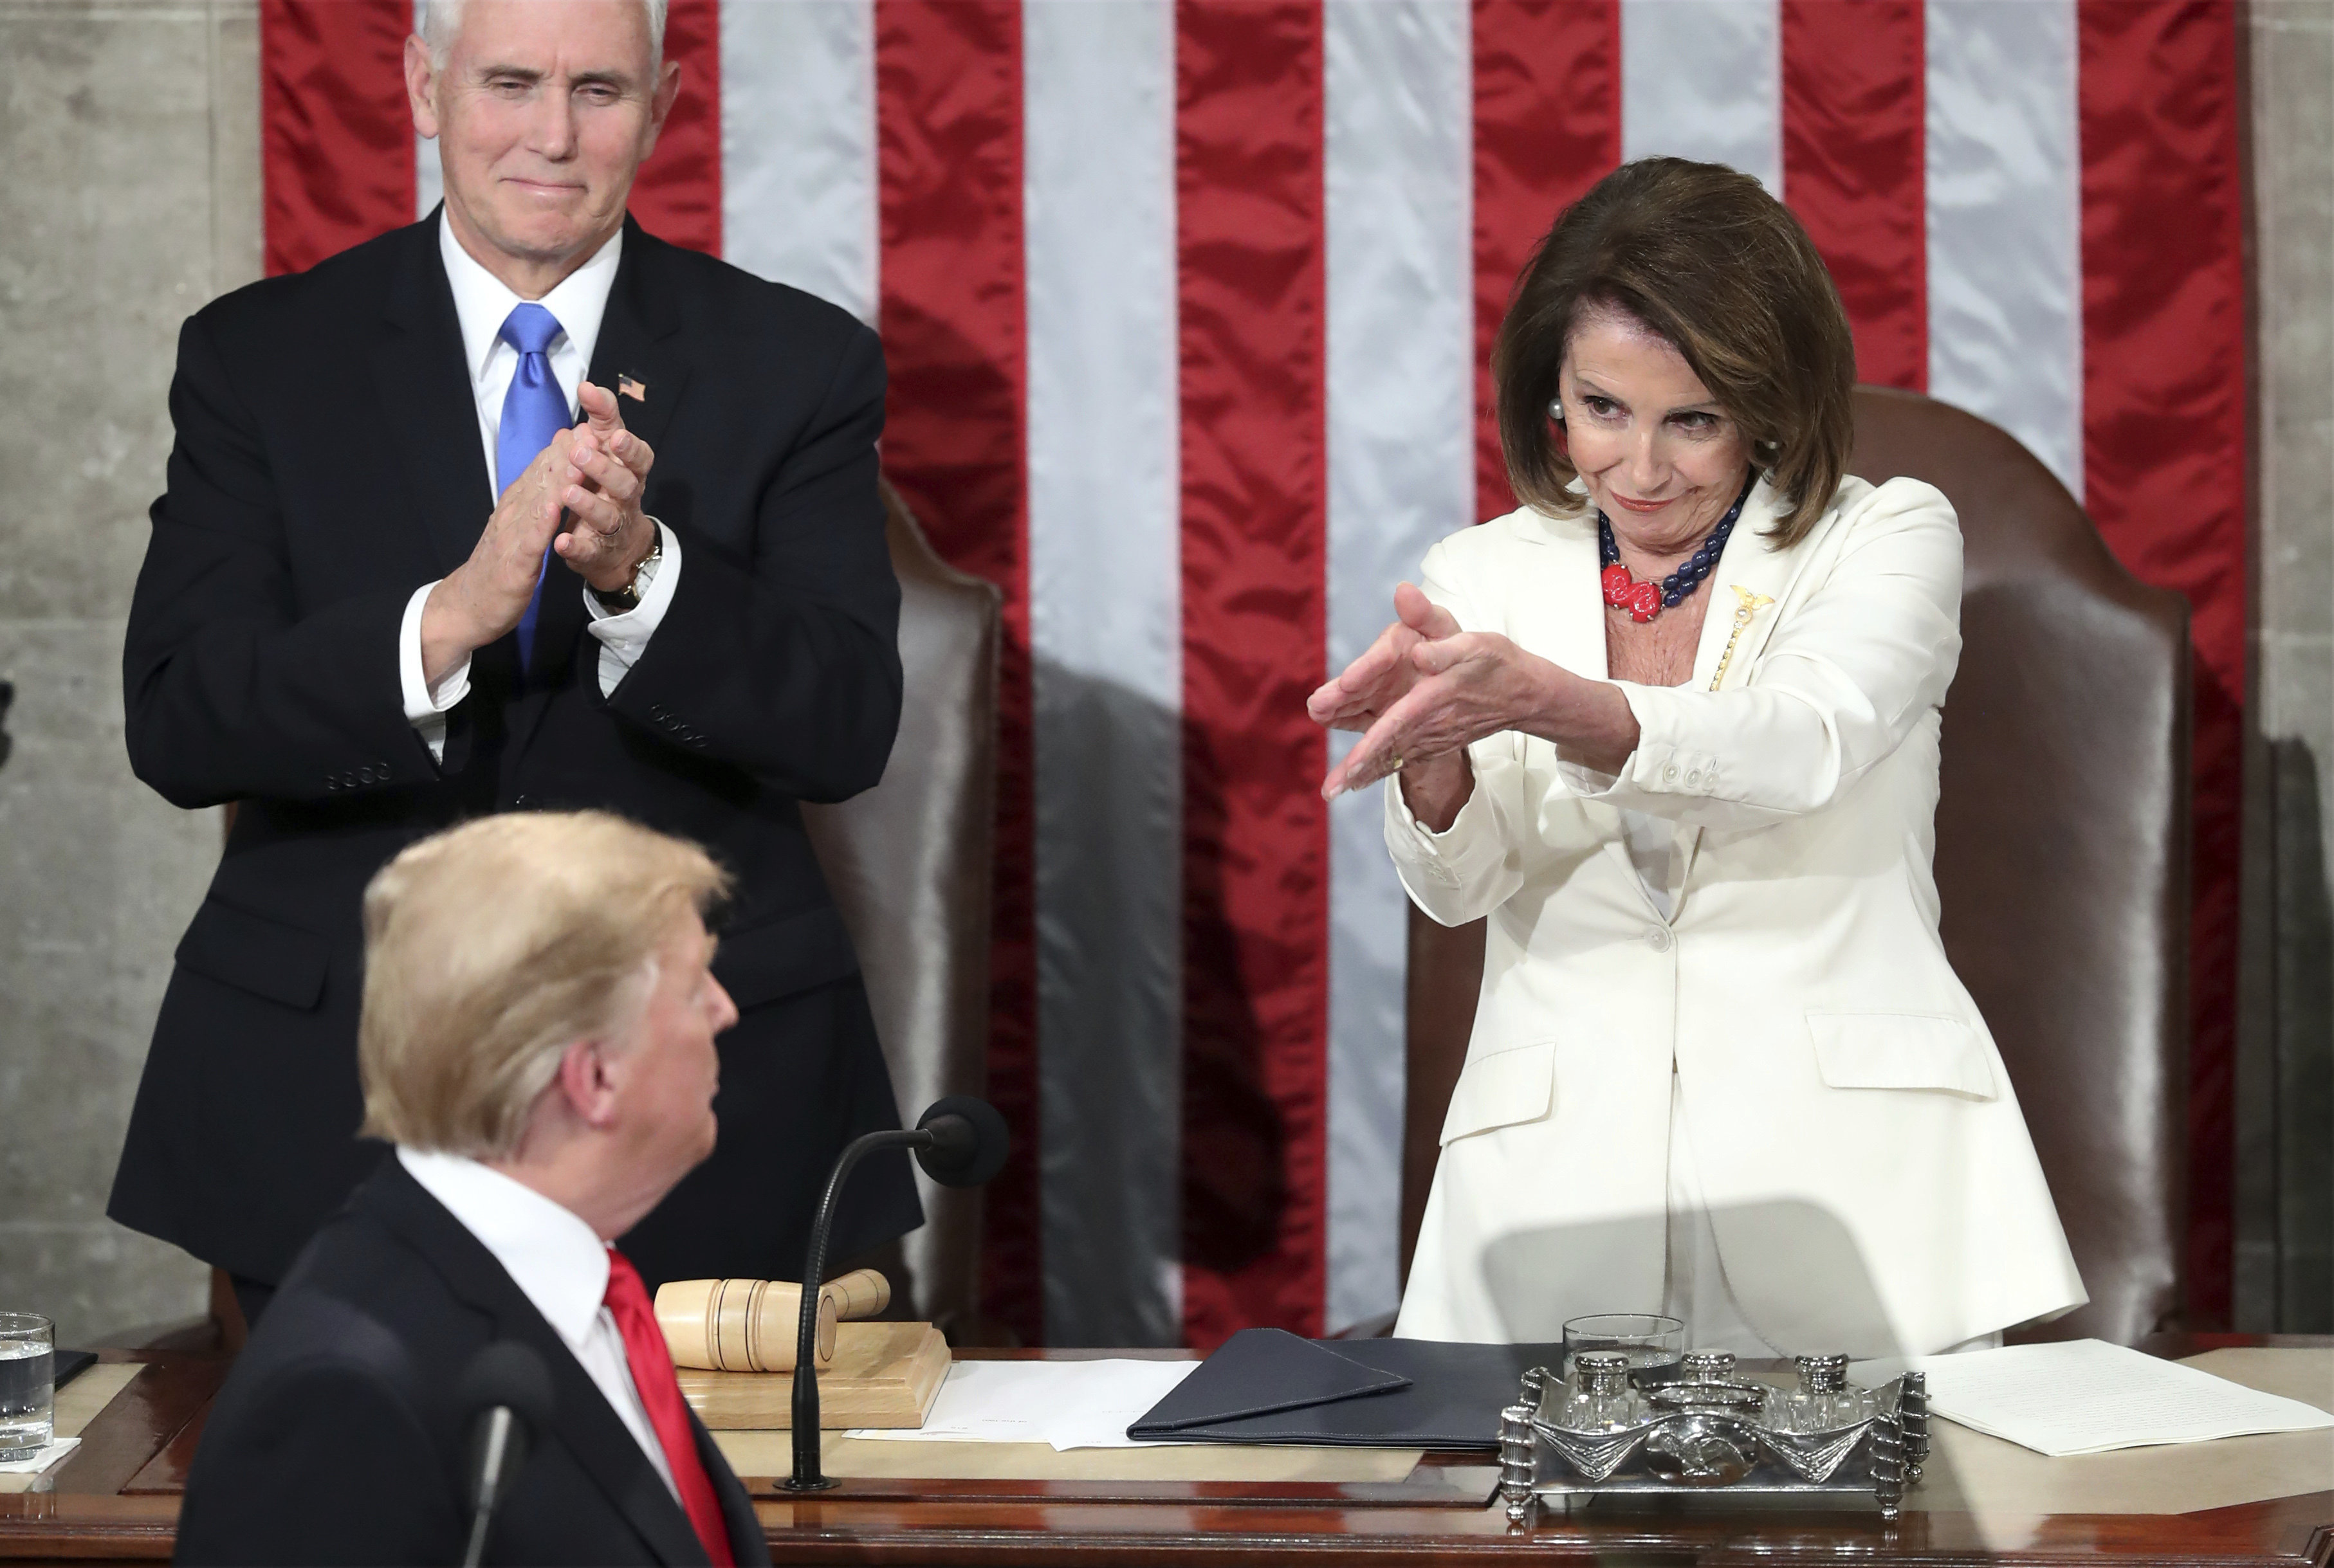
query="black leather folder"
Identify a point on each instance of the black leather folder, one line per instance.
(1262, 1372)
(1268, 1386)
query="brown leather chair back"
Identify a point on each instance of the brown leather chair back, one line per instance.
(2062, 861)
(908, 865)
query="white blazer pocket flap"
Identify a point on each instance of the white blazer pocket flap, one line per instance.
(1501, 1090)
(1901, 1051)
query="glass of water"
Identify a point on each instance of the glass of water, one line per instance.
(1653, 1345)
(28, 1384)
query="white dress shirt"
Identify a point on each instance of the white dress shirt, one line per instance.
(557, 1262)
(482, 302)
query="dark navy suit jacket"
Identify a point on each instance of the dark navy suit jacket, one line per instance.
(339, 1436)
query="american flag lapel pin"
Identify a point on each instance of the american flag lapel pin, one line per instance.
(631, 387)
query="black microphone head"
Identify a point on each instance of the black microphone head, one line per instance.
(507, 1376)
(969, 1142)
(510, 1375)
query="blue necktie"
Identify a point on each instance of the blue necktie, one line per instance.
(533, 410)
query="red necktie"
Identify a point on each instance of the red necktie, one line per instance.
(659, 1390)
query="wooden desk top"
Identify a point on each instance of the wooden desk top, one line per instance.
(115, 1500)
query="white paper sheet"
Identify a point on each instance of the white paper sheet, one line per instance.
(1068, 1404)
(2087, 1397)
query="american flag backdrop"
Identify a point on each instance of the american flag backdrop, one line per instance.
(1187, 305)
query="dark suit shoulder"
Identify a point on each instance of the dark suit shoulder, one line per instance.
(718, 298)
(361, 1296)
(335, 1438)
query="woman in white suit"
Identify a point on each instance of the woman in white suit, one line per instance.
(1672, 726)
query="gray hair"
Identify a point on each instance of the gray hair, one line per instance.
(442, 19)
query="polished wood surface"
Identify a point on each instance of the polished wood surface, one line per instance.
(114, 1500)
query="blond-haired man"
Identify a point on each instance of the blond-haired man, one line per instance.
(537, 1042)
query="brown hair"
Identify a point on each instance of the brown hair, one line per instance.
(1704, 256)
(492, 946)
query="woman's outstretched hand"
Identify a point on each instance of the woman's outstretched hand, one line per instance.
(1383, 674)
(1426, 690)
(1462, 688)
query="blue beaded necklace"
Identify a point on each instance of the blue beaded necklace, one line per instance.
(1644, 600)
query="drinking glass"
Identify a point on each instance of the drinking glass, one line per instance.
(28, 1389)
(1655, 1345)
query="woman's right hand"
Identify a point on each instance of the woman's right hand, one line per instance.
(1384, 673)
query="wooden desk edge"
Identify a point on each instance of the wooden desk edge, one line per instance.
(86, 1516)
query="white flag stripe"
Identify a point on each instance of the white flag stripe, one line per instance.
(799, 183)
(1703, 78)
(1401, 419)
(2004, 188)
(1105, 631)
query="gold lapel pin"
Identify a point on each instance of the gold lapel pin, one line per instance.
(1747, 604)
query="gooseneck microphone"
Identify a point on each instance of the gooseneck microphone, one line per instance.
(960, 1142)
(507, 1389)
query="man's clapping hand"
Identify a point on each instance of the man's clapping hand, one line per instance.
(483, 598)
(606, 470)
(594, 476)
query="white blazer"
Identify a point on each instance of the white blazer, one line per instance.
(1868, 1176)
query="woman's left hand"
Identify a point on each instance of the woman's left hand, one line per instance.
(1476, 684)
(1468, 686)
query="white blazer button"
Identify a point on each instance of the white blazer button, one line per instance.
(1670, 771)
(1693, 779)
(1658, 938)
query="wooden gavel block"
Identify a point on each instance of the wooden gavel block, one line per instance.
(750, 1325)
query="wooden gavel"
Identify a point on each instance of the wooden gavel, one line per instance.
(748, 1326)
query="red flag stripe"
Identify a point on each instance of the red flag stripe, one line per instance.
(947, 97)
(2165, 435)
(336, 135)
(1251, 330)
(676, 196)
(1853, 108)
(1547, 126)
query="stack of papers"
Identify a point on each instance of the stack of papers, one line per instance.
(2089, 1397)
(1068, 1404)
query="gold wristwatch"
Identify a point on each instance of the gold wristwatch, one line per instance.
(618, 601)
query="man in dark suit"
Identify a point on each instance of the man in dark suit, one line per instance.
(537, 1041)
(394, 585)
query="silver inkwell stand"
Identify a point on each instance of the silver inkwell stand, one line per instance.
(1602, 1430)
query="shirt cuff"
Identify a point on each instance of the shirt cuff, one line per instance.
(624, 635)
(425, 705)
